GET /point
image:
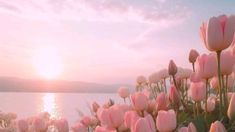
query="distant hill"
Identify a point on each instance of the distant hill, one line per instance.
(11, 84)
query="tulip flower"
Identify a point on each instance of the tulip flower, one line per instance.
(111, 117)
(192, 127)
(62, 125)
(130, 119)
(145, 124)
(166, 120)
(39, 124)
(154, 78)
(193, 54)
(217, 126)
(214, 82)
(172, 68)
(104, 129)
(198, 91)
(23, 125)
(183, 129)
(141, 80)
(210, 104)
(161, 101)
(86, 121)
(79, 127)
(218, 33)
(123, 92)
(205, 66)
(139, 101)
(231, 108)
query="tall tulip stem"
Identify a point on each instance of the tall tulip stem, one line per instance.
(206, 99)
(220, 84)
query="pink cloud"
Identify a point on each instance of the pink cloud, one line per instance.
(96, 10)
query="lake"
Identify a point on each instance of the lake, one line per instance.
(57, 104)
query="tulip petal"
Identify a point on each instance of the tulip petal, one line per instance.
(229, 31)
(214, 35)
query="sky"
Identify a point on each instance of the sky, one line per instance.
(101, 41)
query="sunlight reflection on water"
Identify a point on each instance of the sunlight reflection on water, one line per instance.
(50, 104)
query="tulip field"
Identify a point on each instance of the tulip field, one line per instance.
(174, 99)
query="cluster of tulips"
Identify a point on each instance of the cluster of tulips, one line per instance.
(200, 99)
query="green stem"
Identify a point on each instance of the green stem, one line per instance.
(206, 99)
(226, 93)
(220, 85)
(197, 106)
(165, 84)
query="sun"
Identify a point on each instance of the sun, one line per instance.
(47, 62)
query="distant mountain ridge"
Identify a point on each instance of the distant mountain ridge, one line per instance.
(13, 84)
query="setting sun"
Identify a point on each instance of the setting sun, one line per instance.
(47, 62)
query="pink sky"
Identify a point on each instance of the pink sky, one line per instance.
(103, 41)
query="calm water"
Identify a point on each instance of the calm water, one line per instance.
(57, 104)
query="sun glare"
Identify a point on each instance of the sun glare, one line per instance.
(47, 62)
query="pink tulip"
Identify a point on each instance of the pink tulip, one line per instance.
(166, 120)
(39, 124)
(227, 62)
(172, 68)
(104, 129)
(139, 101)
(206, 66)
(130, 119)
(193, 54)
(154, 78)
(214, 82)
(198, 91)
(23, 125)
(174, 96)
(145, 124)
(183, 129)
(86, 121)
(161, 101)
(123, 92)
(217, 127)
(231, 108)
(62, 125)
(163, 73)
(151, 105)
(141, 80)
(218, 33)
(210, 104)
(194, 77)
(112, 117)
(192, 127)
(79, 127)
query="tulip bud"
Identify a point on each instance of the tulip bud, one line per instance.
(193, 54)
(139, 101)
(172, 68)
(166, 120)
(231, 108)
(145, 124)
(217, 127)
(161, 101)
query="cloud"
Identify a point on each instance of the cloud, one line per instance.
(96, 10)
